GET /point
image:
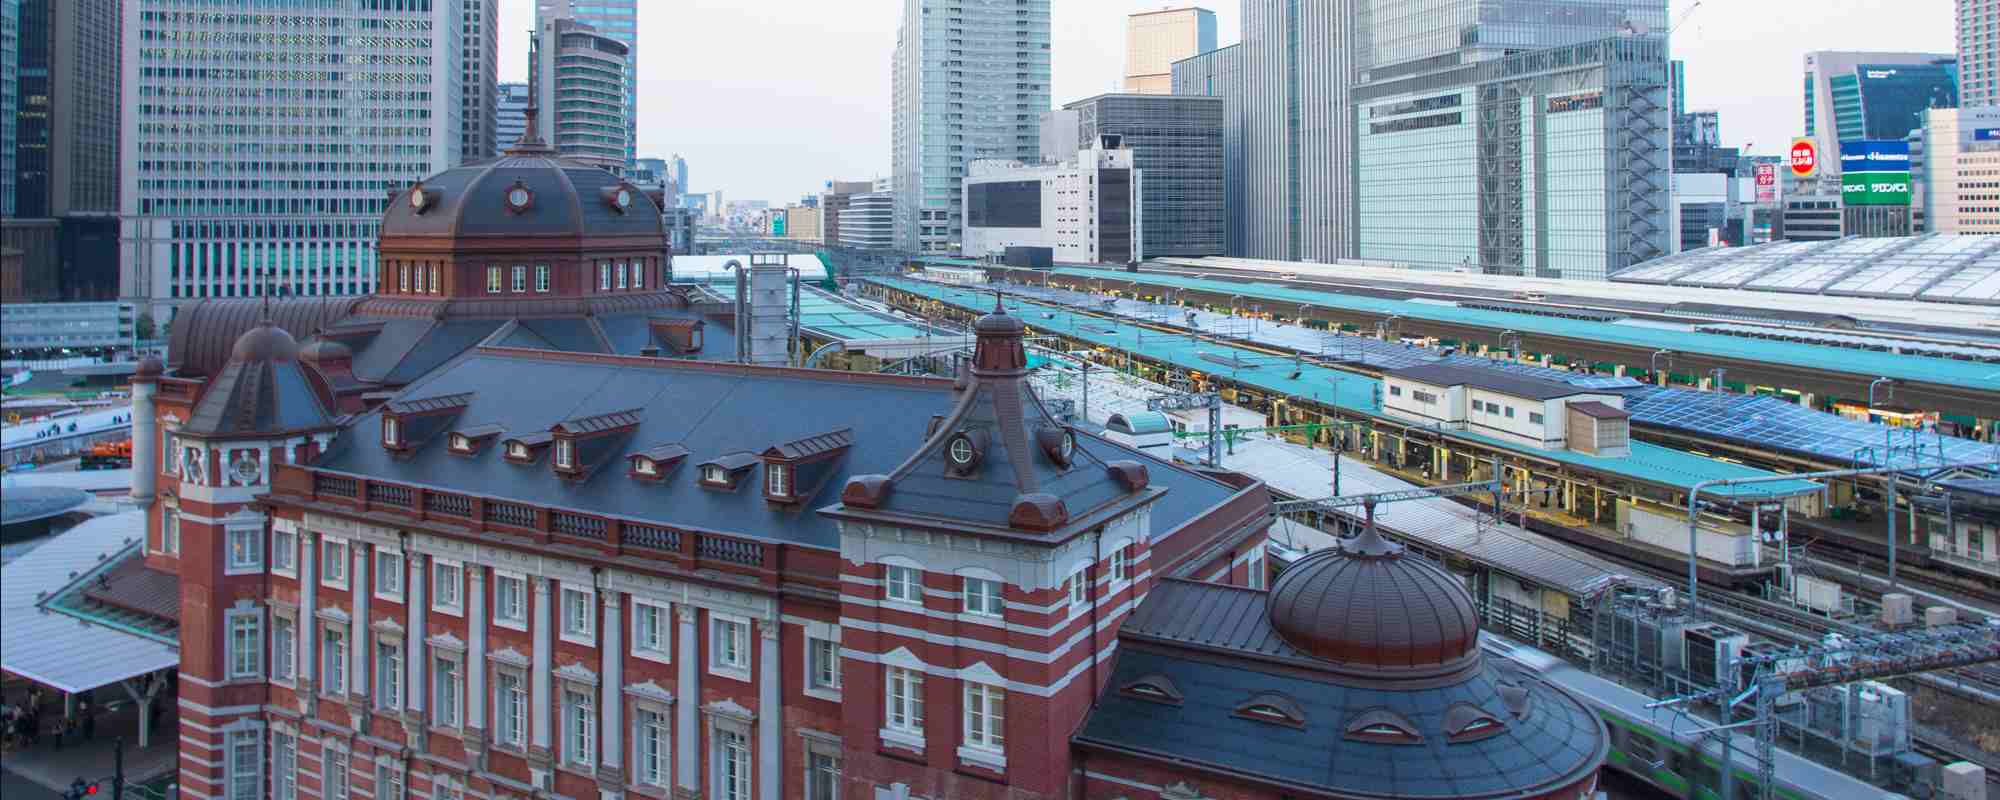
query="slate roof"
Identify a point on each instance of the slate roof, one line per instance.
(262, 396)
(1443, 374)
(1216, 646)
(444, 402)
(710, 409)
(472, 202)
(815, 445)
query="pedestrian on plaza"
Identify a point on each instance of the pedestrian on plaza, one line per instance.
(89, 719)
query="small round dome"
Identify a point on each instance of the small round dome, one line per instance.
(324, 350)
(150, 367)
(999, 321)
(1365, 606)
(266, 342)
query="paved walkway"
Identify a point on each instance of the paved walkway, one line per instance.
(55, 768)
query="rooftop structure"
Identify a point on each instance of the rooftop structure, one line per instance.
(1938, 268)
(1154, 40)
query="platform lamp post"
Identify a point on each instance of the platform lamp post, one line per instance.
(1509, 335)
(1660, 378)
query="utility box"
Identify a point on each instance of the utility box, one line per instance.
(1940, 616)
(1963, 781)
(1897, 610)
(1817, 594)
(1711, 652)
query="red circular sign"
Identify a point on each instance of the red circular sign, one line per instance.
(1805, 158)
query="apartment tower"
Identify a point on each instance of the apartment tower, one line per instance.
(970, 81)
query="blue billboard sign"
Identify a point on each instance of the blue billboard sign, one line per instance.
(1875, 172)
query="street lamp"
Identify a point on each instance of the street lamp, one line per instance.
(1655, 364)
(1514, 351)
(1889, 382)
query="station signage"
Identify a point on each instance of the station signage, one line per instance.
(1986, 134)
(1875, 172)
(1804, 158)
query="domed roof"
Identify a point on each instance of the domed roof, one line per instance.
(266, 342)
(558, 197)
(999, 321)
(1367, 607)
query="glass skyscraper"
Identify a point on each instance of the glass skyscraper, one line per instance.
(1979, 53)
(618, 19)
(1851, 95)
(10, 44)
(970, 80)
(259, 148)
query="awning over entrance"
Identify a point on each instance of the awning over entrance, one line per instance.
(59, 632)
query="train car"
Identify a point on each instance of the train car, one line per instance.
(1645, 747)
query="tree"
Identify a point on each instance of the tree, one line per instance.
(144, 327)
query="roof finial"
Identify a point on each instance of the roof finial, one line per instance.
(997, 308)
(1370, 542)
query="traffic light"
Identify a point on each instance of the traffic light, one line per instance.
(80, 789)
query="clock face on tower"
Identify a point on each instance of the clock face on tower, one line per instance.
(518, 197)
(624, 198)
(245, 469)
(418, 199)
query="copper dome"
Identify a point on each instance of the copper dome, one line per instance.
(999, 321)
(266, 342)
(1366, 606)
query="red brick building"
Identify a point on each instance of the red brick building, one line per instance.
(514, 528)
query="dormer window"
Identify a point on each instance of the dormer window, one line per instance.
(524, 449)
(1465, 722)
(392, 432)
(1384, 726)
(517, 451)
(469, 441)
(1155, 687)
(778, 481)
(566, 454)
(1272, 707)
(654, 463)
(724, 472)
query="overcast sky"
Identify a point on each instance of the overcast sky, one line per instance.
(768, 100)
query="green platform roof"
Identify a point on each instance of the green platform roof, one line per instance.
(1349, 391)
(1914, 368)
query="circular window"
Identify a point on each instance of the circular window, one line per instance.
(246, 470)
(518, 198)
(1068, 447)
(961, 452)
(418, 199)
(623, 198)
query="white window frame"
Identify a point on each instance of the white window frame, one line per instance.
(983, 731)
(501, 578)
(520, 278)
(621, 274)
(639, 275)
(170, 530)
(390, 782)
(1077, 588)
(661, 649)
(284, 648)
(730, 748)
(334, 661)
(903, 584)
(541, 279)
(903, 724)
(245, 629)
(1257, 574)
(336, 771)
(566, 452)
(778, 480)
(392, 435)
(823, 664)
(737, 668)
(982, 597)
(284, 766)
(388, 673)
(384, 589)
(333, 570)
(653, 769)
(815, 751)
(284, 552)
(510, 719)
(495, 279)
(579, 724)
(575, 627)
(246, 549)
(604, 276)
(447, 696)
(243, 777)
(447, 573)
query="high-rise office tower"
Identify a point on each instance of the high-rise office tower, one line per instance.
(244, 174)
(1154, 40)
(970, 80)
(64, 170)
(480, 56)
(510, 114)
(1298, 142)
(1176, 141)
(1851, 96)
(618, 19)
(677, 170)
(1219, 73)
(10, 45)
(578, 80)
(1979, 53)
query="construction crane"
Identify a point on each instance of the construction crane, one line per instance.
(1838, 660)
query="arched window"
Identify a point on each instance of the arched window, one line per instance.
(1384, 726)
(1465, 722)
(1155, 687)
(1273, 707)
